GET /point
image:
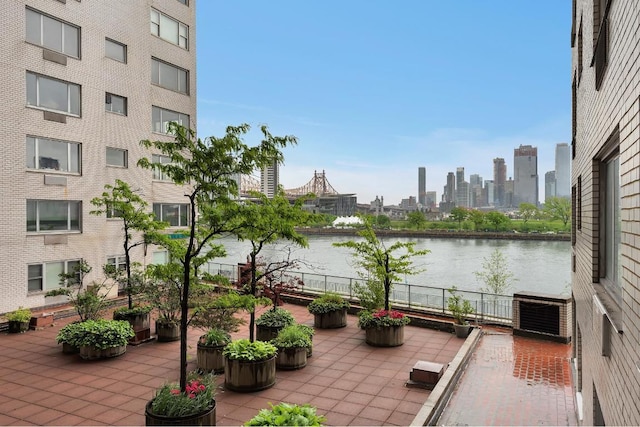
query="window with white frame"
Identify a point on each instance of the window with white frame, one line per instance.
(46, 276)
(50, 154)
(112, 212)
(184, 2)
(115, 50)
(610, 230)
(118, 261)
(52, 94)
(160, 119)
(169, 76)
(51, 33)
(117, 157)
(160, 257)
(177, 215)
(115, 104)
(169, 29)
(53, 215)
(158, 174)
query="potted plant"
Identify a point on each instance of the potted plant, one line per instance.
(292, 343)
(271, 322)
(329, 311)
(196, 406)
(102, 338)
(249, 366)
(162, 291)
(459, 308)
(286, 414)
(210, 347)
(139, 317)
(310, 333)
(383, 328)
(68, 337)
(19, 320)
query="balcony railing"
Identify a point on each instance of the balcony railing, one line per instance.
(489, 308)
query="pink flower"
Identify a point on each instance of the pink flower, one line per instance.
(175, 391)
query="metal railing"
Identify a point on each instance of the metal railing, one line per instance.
(492, 308)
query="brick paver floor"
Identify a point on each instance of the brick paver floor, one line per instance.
(512, 380)
(349, 382)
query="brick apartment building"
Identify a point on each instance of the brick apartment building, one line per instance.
(606, 210)
(83, 82)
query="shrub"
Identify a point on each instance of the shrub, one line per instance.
(103, 334)
(69, 334)
(293, 336)
(459, 308)
(123, 312)
(327, 303)
(20, 315)
(215, 337)
(286, 414)
(275, 318)
(248, 351)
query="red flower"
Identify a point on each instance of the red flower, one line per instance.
(175, 391)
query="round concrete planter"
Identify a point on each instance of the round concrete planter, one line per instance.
(385, 336)
(205, 418)
(245, 376)
(292, 358)
(331, 320)
(210, 358)
(89, 352)
(167, 331)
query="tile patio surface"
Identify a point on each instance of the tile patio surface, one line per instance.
(347, 380)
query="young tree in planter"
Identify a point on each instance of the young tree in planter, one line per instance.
(120, 201)
(207, 169)
(495, 273)
(265, 221)
(378, 263)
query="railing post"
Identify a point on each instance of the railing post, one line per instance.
(325, 283)
(443, 301)
(408, 293)
(482, 307)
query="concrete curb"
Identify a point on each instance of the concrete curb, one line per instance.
(433, 407)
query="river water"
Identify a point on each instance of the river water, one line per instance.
(538, 266)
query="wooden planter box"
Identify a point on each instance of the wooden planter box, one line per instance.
(386, 336)
(291, 358)
(141, 324)
(167, 331)
(267, 333)
(331, 320)
(41, 321)
(16, 327)
(205, 418)
(210, 358)
(249, 376)
(70, 349)
(89, 352)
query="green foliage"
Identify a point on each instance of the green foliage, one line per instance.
(379, 318)
(558, 208)
(477, 218)
(215, 337)
(248, 351)
(89, 301)
(292, 336)
(378, 265)
(162, 290)
(497, 219)
(123, 313)
(528, 211)
(327, 303)
(275, 318)
(416, 219)
(383, 222)
(286, 414)
(69, 334)
(217, 310)
(460, 308)
(370, 294)
(19, 315)
(495, 273)
(103, 334)
(197, 397)
(459, 214)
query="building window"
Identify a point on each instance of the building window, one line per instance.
(184, 2)
(160, 257)
(600, 56)
(177, 215)
(52, 33)
(580, 52)
(49, 154)
(573, 214)
(46, 276)
(169, 76)
(112, 212)
(158, 174)
(53, 215)
(161, 118)
(115, 104)
(579, 204)
(574, 116)
(169, 29)
(117, 157)
(118, 261)
(52, 94)
(115, 50)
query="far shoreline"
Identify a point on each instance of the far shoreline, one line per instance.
(439, 234)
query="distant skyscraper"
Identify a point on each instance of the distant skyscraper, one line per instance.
(422, 186)
(499, 180)
(269, 180)
(563, 170)
(431, 199)
(475, 191)
(462, 189)
(450, 188)
(549, 185)
(525, 175)
(489, 190)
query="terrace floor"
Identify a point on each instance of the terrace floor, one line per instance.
(509, 380)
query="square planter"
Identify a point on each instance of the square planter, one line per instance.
(41, 320)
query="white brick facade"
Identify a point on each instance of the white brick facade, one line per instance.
(609, 385)
(127, 22)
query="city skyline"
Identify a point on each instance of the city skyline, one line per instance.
(372, 93)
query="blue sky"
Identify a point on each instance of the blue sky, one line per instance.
(375, 89)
